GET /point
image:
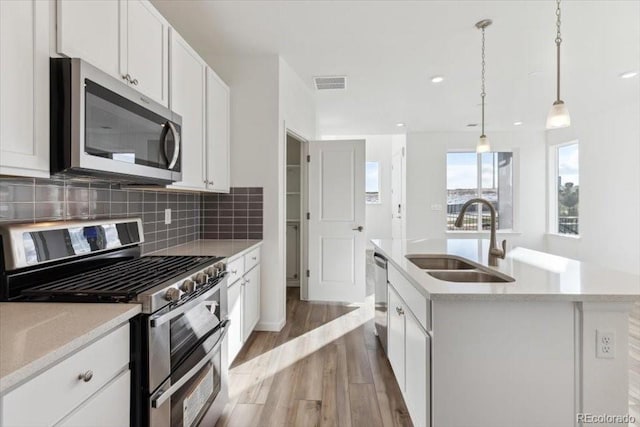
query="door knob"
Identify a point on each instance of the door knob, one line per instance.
(359, 228)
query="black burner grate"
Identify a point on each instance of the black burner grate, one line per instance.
(122, 280)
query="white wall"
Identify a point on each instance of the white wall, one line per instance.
(609, 187)
(297, 113)
(427, 177)
(265, 93)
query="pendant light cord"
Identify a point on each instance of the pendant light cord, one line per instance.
(558, 42)
(483, 93)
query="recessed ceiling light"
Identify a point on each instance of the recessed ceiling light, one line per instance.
(628, 74)
(472, 125)
(517, 123)
(437, 79)
(400, 125)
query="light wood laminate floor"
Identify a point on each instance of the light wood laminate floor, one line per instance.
(325, 368)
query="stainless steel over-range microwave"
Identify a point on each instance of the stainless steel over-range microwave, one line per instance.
(101, 127)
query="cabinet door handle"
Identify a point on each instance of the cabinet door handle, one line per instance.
(234, 271)
(400, 311)
(254, 258)
(135, 82)
(126, 77)
(210, 183)
(86, 376)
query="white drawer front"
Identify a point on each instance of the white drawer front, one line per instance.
(417, 303)
(110, 407)
(47, 398)
(252, 259)
(235, 269)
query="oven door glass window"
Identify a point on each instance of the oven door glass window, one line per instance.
(195, 331)
(121, 130)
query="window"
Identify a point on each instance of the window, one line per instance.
(566, 189)
(486, 175)
(372, 186)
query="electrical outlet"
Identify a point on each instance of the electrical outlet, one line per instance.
(605, 344)
(167, 216)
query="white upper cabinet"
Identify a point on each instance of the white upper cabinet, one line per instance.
(24, 85)
(218, 126)
(125, 38)
(91, 30)
(148, 50)
(188, 99)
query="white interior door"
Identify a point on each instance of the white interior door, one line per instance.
(337, 239)
(396, 196)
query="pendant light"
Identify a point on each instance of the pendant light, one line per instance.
(559, 114)
(483, 143)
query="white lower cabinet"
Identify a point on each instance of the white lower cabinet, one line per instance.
(395, 337)
(99, 411)
(235, 333)
(417, 371)
(251, 300)
(409, 352)
(243, 297)
(66, 392)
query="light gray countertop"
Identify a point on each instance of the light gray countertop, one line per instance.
(206, 247)
(34, 336)
(538, 275)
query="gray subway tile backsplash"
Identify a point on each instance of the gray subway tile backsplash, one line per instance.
(228, 216)
(237, 215)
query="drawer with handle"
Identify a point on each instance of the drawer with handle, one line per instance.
(63, 387)
(236, 270)
(252, 259)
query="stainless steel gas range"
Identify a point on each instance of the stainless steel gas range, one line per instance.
(178, 357)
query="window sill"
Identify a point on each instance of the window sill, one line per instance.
(483, 233)
(563, 236)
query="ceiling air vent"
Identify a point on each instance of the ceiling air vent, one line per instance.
(330, 82)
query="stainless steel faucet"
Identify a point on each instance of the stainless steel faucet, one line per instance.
(494, 251)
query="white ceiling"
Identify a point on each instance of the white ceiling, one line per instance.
(390, 49)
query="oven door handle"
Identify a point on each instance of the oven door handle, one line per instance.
(181, 309)
(162, 395)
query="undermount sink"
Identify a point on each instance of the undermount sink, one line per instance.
(474, 276)
(439, 262)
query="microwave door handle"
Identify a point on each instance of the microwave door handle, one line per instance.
(171, 158)
(162, 395)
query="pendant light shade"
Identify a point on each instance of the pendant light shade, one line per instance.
(483, 144)
(558, 116)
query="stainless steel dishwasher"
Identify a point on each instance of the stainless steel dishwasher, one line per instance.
(380, 293)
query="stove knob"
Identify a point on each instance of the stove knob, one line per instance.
(172, 294)
(188, 286)
(200, 278)
(211, 271)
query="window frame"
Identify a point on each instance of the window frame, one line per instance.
(552, 188)
(514, 184)
(379, 202)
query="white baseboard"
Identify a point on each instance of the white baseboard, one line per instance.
(271, 326)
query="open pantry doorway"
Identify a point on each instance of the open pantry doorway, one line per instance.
(296, 201)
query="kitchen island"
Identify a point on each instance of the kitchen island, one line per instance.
(538, 350)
